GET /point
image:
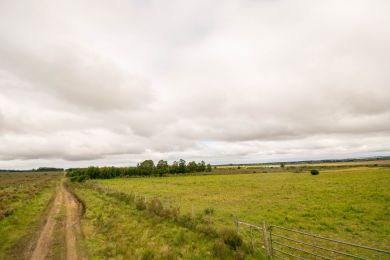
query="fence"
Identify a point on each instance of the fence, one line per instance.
(284, 243)
(256, 236)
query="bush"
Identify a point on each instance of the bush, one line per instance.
(171, 213)
(155, 207)
(240, 255)
(231, 238)
(314, 172)
(209, 211)
(140, 204)
(148, 254)
(185, 221)
(207, 229)
(220, 250)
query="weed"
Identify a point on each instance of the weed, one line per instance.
(209, 211)
(220, 250)
(231, 238)
(140, 204)
(148, 254)
(207, 229)
(155, 207)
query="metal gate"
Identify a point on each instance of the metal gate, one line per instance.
(287, 243)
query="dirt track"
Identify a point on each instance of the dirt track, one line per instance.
(64, 199)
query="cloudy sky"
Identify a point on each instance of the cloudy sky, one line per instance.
(101, 82)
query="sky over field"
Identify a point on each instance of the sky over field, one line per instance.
(116, 82)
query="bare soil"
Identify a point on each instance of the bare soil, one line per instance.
(42, 246)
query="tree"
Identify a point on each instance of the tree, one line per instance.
(201, 167)
(182, 166)
(192, 167)
(174, 167)
(146, 167)
(282, 165)
(208, 168)
(162, 167)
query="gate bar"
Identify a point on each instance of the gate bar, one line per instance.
(332, 240)
(283, 252)
(320, 247)
(301, 250)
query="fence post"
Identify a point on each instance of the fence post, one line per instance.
(237, 225)
(265, 239)
(193, 214)
(251, 236)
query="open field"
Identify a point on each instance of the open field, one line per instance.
(350, 204)
(24, 197)
(114, 229)
(43, 216)
(375, 163)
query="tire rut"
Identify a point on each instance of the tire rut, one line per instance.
(72, 226)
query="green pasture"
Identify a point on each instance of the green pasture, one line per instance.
(351, 204)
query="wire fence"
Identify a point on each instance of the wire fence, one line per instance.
(293, 244)
(285, 243)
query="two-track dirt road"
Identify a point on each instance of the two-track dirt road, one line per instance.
(65, 210)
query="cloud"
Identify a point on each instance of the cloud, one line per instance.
(226, 81)
(78, 77)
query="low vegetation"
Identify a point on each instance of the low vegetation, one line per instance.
(120, 226)
(23, 198)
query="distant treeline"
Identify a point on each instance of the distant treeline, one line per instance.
(41, 169)
(378, 158)
(145, 168)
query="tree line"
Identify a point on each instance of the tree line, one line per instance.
(145, 168)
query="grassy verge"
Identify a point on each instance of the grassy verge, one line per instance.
(115, 229)
(17, 229)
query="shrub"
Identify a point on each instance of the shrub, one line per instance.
(220, 250)
(185, 221)
(207, 229)
(74, 178)
(314, 172)
(155, 207)
(209, 211)
(240, 255)
(148, 254)
(140, 204)
(171, 213)
(180, 238)
(231, 238)
(81, 178)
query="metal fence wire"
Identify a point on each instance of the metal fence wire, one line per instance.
(287, 243)
(255, 236)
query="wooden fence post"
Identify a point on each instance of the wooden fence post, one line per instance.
(251, 236)
(265, 239)
(193, 214)
(237, 225)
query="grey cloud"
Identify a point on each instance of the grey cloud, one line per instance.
(79, 77)
(224, 81)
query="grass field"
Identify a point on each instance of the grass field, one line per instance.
(23, 199)
(351, 204)
(116, 230)
(314, 164)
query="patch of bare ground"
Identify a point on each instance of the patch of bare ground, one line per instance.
(65, 212)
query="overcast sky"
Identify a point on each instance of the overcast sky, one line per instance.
(115, 82)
